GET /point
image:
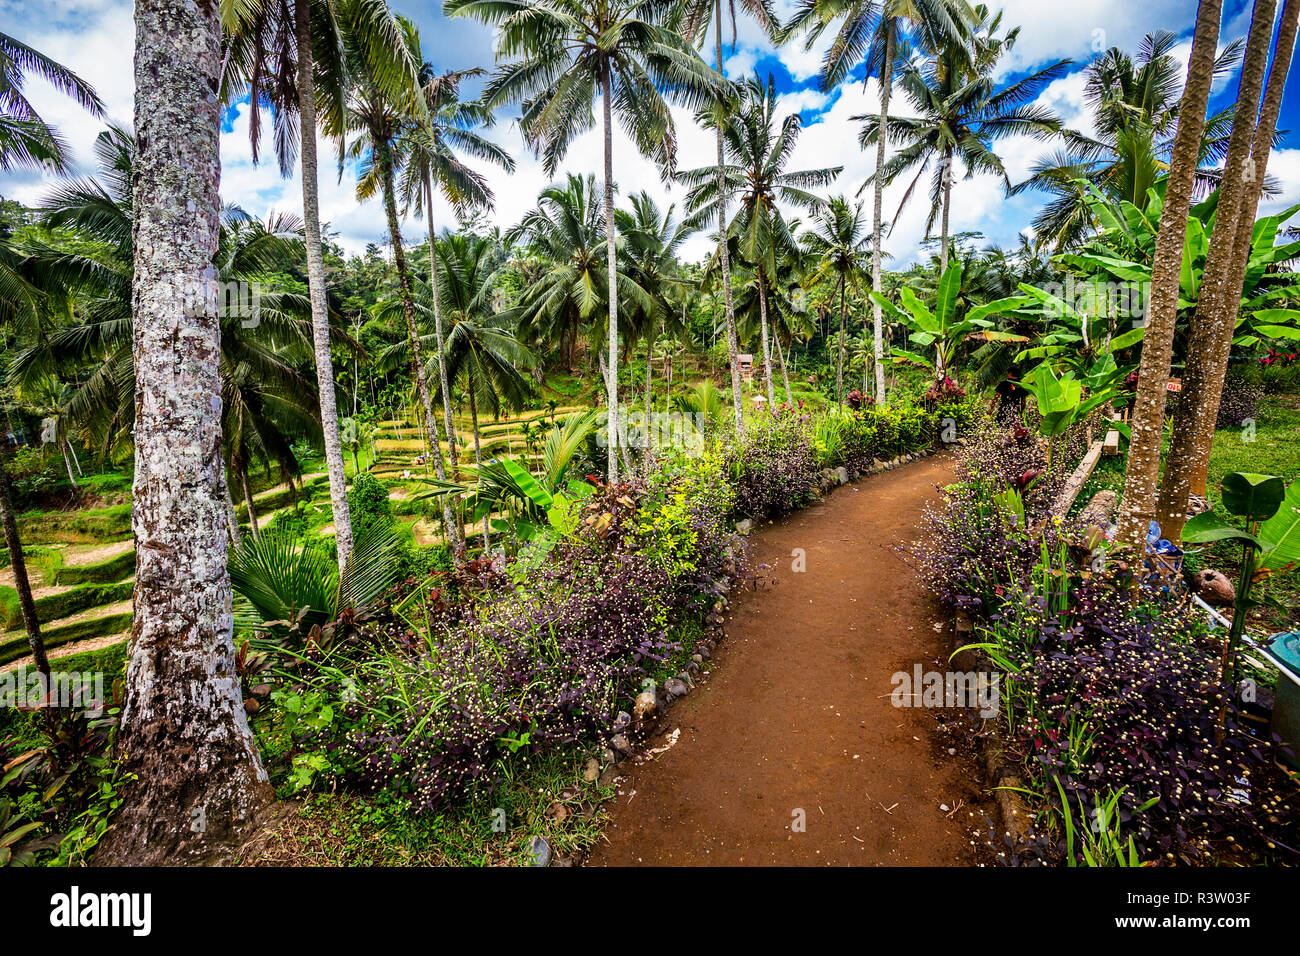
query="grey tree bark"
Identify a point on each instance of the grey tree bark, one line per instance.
(878, 190)
(946, 172)
(194, 782)
(1138, 504)
(1220, 298)
(724, 254)
(320, 327)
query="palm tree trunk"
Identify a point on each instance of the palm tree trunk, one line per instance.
(785, 373)
(21, 583)
(384, 157)
(1142, 471)
(68, 465)
(878, 190)
(724, 254)
(478, 455)
(767, 349)
(232, 519)
(611, 242)
(649, 363)
(1220, 300)
(193, 782)
(947, 207)
(437, 329)
(248, 501)
(839, 353)
(73, 452)
(320, 328)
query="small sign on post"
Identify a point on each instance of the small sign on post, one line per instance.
(746, 362)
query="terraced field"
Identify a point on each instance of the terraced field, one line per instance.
(82, 562)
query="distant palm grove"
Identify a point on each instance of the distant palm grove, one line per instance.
(423, 531)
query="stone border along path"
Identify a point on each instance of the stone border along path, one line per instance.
(793, 718)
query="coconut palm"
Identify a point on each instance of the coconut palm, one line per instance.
(25, 138)
(651, 240)
(563, 54)
(695, 18)
(879, 32)
(959, 114)
(1136, 103)
(565, 233)
(292, 56)
(375, 123)
(838, 243)
(759, 146)
(429, 147)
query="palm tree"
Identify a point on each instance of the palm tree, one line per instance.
(25, 138)
(838, 240)
(1137, 506)
(481, 348)
(882, 29)
(377, 123)
(758, 152)
(184, 744)
(566, 232)
(429, 162)
(563, 54)
(1214, 323)
(651, 240)
(289, 56)
(1136, 106)
(696, 16)
(960, 113)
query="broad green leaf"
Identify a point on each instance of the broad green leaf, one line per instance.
(1250, 496)
(1281, 533)
(1206, 527)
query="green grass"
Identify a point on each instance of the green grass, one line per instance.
(109, 571)
(95, 526)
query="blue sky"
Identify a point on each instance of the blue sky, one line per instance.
(95, 38)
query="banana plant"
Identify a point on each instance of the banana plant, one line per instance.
(939, 327)
(1060, 398)
(1270, 541)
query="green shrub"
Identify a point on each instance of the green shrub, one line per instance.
(368, 503)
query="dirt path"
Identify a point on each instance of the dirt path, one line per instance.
(796, 714)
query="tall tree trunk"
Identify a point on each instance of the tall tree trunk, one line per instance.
(767, 348)
(947, 207)
(248, 501)
(1138, 505)
(73, 452)
(611, 242)
(1220, 300)
(232, 518)
(839, 353)
(384, 157)
(320, 326)
(478, 455)
(724, 254)
(878, 190)
(194, 783)
(649, 362)
(785, 373)
(437, 329)
(67, 463)
(21, 583)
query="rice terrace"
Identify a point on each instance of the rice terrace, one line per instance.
(649, 433)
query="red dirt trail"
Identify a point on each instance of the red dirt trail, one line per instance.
(796, 712)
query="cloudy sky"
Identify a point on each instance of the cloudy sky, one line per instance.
(95, 38)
